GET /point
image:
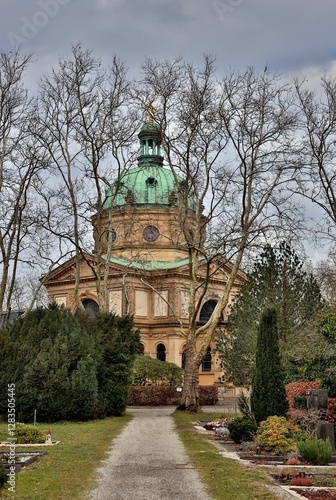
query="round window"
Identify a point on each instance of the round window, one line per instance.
(151, 233)
(112, 236)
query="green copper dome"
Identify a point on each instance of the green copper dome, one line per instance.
(146, 185)
(149, 183)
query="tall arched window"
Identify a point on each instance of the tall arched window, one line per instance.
(184, 358)
(161, 352)
(90, 306)
(206, 311)
(206, 363)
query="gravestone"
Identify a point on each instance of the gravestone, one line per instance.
(325, 430)
(317, 399)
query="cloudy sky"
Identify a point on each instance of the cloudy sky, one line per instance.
(290, 36)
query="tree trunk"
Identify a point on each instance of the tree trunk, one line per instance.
(190, 394)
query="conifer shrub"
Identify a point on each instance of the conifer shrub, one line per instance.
(242, 429)
(27, 434)
(316, 451)
(275, 434)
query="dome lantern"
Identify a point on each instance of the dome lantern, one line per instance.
(150, 145)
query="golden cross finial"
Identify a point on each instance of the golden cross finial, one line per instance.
(151, 108)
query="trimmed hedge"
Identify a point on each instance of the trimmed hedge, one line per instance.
(168, 395)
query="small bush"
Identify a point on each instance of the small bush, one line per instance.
(316, 451)
(28, 434)
(3, 476)
(242, 429)
(275, 434)
(244, 406)
(293, 461)
(301, 481)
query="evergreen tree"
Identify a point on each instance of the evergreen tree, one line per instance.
(51, 360)
(277, 279)
(67, 367)
(268, 396)
(116, 341)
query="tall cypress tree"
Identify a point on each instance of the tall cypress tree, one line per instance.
(268, 396)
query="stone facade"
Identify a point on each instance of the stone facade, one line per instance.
(148, 268)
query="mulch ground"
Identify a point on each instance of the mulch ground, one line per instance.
(317, 495)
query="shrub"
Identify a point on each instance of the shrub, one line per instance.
(244, 406)
(242, 429)
(275, 434)
(151, 371)
(3, 476)
(301, 481)
(28, 434)
(316, 451)
(292, 461)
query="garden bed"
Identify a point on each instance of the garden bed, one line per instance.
(317, 494)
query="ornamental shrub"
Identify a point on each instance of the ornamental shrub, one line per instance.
(26, 434)
(276, 434)
(316, 451)
(151, 371)
(3, 476)
(242, 429)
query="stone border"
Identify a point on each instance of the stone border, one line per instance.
(18, 445)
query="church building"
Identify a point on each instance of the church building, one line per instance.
(149, 264)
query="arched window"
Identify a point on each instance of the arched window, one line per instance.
(90, 306)
(161, 352)
(206, 311)
(206, 363)
(184, 358)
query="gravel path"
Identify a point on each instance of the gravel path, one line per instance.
(148, 462)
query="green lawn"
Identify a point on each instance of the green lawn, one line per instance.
(67, 471)
(226, 479)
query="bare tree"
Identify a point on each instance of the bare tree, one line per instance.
(84, 124)
(231, 140)
(316, 173)
(325, 273)
(20, 163)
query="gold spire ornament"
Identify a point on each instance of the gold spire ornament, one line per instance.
(151, 108)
